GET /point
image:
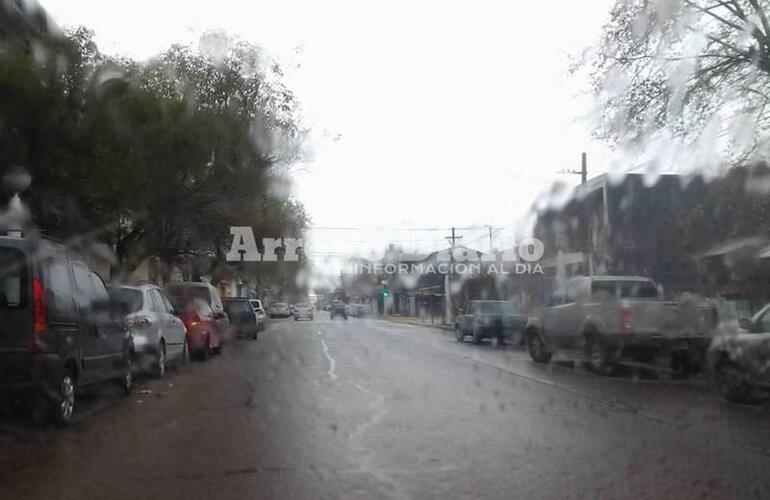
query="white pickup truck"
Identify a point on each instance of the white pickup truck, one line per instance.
(608, 318)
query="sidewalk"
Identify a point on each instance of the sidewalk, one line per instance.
(417, 321)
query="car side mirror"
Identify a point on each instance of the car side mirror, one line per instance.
(746, 324)
(219, 315)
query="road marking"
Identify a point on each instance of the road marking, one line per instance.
(367, 454)
(332, 362)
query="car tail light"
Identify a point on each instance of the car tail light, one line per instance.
(626, 319)
(40, 317)
(195, 320)
(141, 323)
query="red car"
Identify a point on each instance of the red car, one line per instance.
(203, 336)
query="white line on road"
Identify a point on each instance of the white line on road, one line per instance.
(332, 362)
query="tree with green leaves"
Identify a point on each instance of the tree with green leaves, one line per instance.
(157, 158)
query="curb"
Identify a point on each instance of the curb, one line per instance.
(417, 323)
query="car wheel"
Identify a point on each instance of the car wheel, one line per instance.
(598, 356)
(205, 352)
(733, 383)
(536, 348)
(126, 380)
(160, 361)
(459, 335)
(185, 354)
(63, 407)
(477, 339)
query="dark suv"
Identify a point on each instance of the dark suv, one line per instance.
(59, 329)
(338, 309)
(243, 317)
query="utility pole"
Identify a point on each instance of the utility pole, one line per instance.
(583, 172)
(490, 239)
(583, 179)
(448, 312)
(452, 238)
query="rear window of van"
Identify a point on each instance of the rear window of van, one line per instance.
(13, 279)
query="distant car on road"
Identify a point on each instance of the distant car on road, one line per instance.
(357, 310)
(259, 310)
(608, 318)
(243, 318)
(303, 310)
(160, 337)
(739, 358)
(59, 328)
(338, 309)
(496, 319)
(279, 310)
(204, 337)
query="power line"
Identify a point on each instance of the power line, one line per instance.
(394, 228)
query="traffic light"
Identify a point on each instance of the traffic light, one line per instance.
(385, 291)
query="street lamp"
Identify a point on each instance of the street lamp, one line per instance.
(16, 180)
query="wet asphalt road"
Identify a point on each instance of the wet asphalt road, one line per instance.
(364, 409)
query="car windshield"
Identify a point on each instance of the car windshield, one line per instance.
(187, 305)
(130, 298)
(626, 289)
(238, 307)
(181, 292)
(13, 270)
(496, 308)
(502, 249)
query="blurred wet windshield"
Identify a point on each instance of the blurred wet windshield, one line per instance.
(401, 250)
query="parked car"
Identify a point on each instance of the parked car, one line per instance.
(203, 333)
(59, 328)
(243, 318)
(357, 310)
(496, 319)
(607, 318)
(160, 337)
(303, 310)
(280, 310)
(259, 310)
(183, 291)
(338, 309)
(738, 358)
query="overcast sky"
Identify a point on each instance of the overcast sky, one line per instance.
(448, 113)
